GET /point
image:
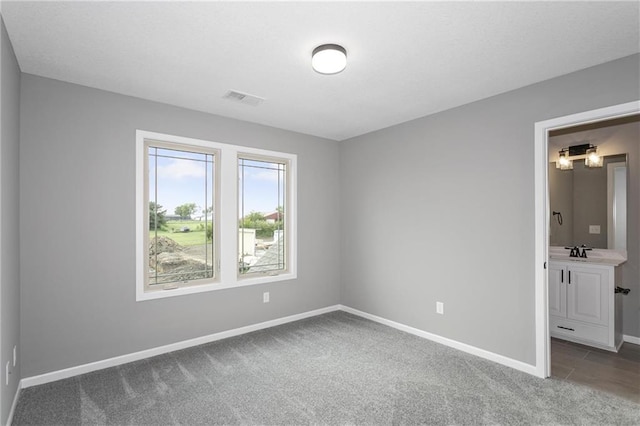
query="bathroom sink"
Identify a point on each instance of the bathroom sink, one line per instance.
(603, 257)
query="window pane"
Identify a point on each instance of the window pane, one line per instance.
(261, 229)
(181, 222)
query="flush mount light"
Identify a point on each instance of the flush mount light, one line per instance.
(329, 59)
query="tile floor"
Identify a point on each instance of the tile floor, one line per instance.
(617, 373)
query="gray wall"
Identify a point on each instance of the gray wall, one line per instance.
(442, 209)
(9, 220)
(415, 227)
(560, 200)
(78, 228)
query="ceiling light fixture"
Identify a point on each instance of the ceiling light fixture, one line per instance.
(329, 59)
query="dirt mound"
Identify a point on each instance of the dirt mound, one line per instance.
(174, 263)
(163, 245)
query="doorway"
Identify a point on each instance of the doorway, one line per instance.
(542, 216)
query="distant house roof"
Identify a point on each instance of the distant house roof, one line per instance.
(273, 215)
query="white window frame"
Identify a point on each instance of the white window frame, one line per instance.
(226, 165)
(195, 148)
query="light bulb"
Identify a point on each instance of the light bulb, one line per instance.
(563, 161)
(593, 159)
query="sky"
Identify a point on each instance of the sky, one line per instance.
(261, 187)
(182, 177)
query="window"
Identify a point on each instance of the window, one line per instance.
(262, 206)
(211, 216)
(181, 193)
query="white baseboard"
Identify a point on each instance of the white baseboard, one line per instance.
(136, 356)
(14, 404)
(631, 339)
(500, 359)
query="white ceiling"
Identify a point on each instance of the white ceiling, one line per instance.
(405, 60)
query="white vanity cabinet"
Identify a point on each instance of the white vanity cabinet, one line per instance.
(582, 303)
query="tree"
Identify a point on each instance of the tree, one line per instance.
(156, 216)
(254, 217)
(257, 221)
(186, 210)
(280, 211)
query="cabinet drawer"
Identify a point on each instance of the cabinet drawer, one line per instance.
(562, 327)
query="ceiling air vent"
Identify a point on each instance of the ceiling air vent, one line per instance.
(244, 98)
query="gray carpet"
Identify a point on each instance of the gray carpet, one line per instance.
(332, 369)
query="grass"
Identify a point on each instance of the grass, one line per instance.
(194, 237)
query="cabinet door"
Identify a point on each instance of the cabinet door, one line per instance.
(587, 298)
(557, 291)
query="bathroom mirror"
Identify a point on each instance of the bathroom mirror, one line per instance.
(588, 205)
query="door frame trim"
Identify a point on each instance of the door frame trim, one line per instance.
(541, 203)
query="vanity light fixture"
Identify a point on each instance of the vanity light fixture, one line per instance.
(587, 151)
(329, 59)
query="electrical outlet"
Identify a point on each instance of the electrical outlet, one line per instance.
(594, 229)
(440, 308)
(15, 355)
(6, 373)
(265, 297)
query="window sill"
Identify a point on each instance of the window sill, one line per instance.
(264, 279)
(241, 282)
